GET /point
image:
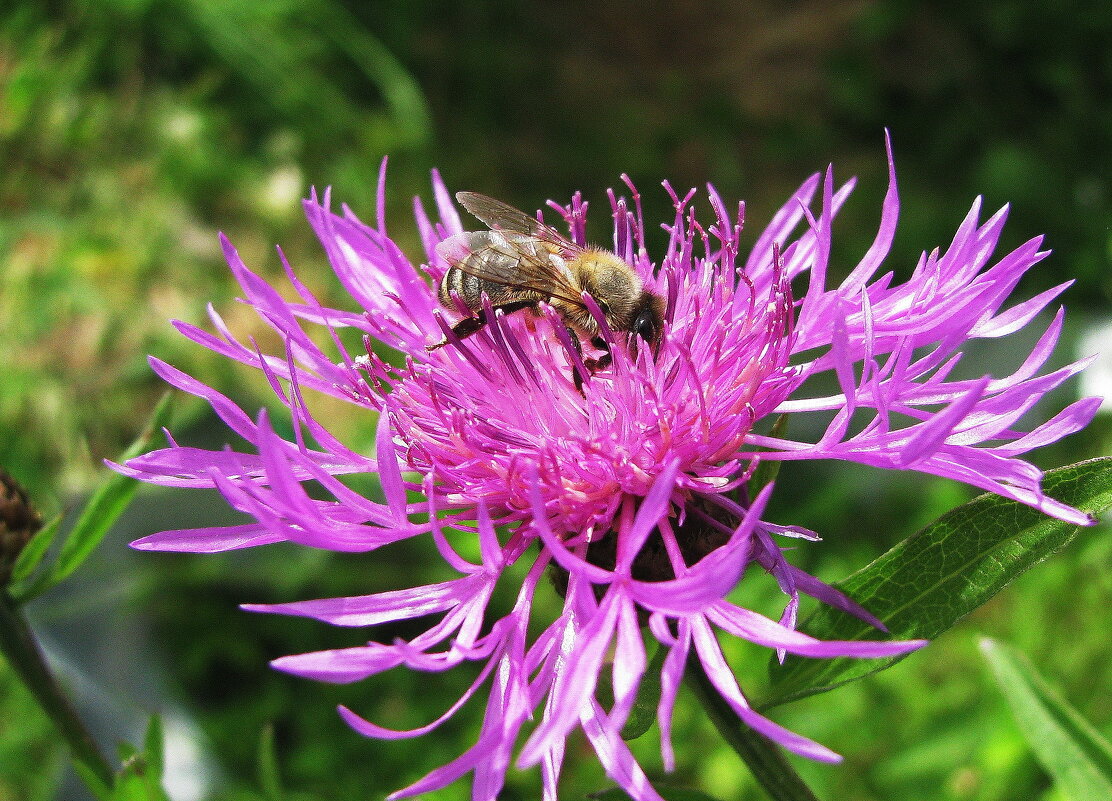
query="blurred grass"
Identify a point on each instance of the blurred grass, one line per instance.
(131, 133)
(132, 130)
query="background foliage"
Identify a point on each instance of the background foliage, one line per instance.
(132, 130)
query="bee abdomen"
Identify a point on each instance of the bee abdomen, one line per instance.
(469, 288)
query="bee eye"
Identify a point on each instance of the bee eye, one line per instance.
(645, 327)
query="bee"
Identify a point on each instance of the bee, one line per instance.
(521, 262)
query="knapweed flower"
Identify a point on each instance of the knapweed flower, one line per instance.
(631, 490)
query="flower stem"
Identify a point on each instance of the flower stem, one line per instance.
(767, 762)
(19, 647)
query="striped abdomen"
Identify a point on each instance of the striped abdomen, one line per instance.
(497, 263)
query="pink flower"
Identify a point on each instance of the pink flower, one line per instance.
(632, 490)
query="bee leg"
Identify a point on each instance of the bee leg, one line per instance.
(603, 361)
(471, 325)
(594, 365)
(576, 377)
(516, 306)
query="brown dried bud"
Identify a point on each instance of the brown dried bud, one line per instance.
(18, 523)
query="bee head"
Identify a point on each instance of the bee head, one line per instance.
(648, 319)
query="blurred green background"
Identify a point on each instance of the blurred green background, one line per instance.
(131, 131)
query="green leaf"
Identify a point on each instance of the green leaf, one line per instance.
(270, 778)
(138, 782)
(140, 777)
(767, 470)
(643, 713)
(153, 746)
(1067, 745)
(34, 551)
(937, 576)
(92, 782)
(102, 510)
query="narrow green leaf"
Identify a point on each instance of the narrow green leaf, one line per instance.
(643, 713)
(126, 752)
(106, 505)
(129, 787)
(767, 470)
(937, 576)
(137, 781)
(153, 746)
(33, 552)
(1067, 745)
(140, 775)
(93, 783)
(270, 778)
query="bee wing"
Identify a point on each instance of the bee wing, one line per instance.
(504, 217)
(512, 259)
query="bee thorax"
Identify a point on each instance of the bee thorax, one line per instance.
(613, 284)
